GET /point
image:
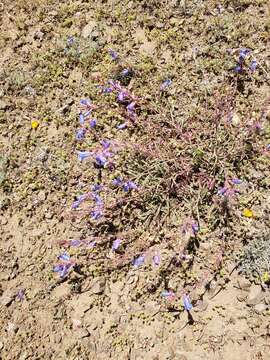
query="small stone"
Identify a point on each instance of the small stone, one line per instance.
(82, 333)
(3, 105)
(243, 284)
(259, 308)
(255, 295)
(42, 195)
(7, 298)
(88, 29)
(98, 286)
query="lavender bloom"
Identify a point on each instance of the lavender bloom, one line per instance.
(268, 147)
(20, 295)
(236, 181)
(100, 160)
(80, 134)
(238, 69)
(78, 202)
(116, 244)
(253, 65)
(138, 261)
(187, 303)
(70, 41)
(87, 113)
(107, 90)
(165, 84)
(81, 119)
(125, 72)
(113, 54)
(97, 199)
(242, 55)
(195, 228)
(96, 214)
(75, 243)
(121, 126)
(156, 259)
(117, 182)
(97, 187)
(129, 185)
(121, 96)
(62, 269)
(82, 155)
(105, 143)
(92, 123)
(85, 102)
(222, 191)
(131, 107)
(65, 256)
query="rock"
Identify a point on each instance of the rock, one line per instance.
(7, 298)
(98, 286)
(88, 29)
(259, 308)
(42, 195)
(3, 105)
(255, 295)
(243, 284)
(82, 333)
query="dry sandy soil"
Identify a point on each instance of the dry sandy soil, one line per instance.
(91, 313)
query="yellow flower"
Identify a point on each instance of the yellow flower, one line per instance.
(248, 213)
(265, 277)
(34, 124)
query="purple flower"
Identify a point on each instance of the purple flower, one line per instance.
(81, 119)
(107, 90)
(121, 96)
(238, 69)
(187, 303)
(80, 134)
(236, 181)
(62, 269)
(82, 155)
(65, 256)
(131, 107)
(242, 55)
(195, 228)
(253, 65)
(117, 182)
(129, 185)
(138, 261)
(97, 199)
(105, 143)
(97, 187)
(222, 191)
(116, 244)
(125, 72)
(85, 102)
(113, 54)
(268, 147)
(165, 84)
(92, 123)
(121, 126)
(70, 40)
(96, 214)
(100, 160)
(75, 243)
(20, 295)
(78, 202)
(156, 259)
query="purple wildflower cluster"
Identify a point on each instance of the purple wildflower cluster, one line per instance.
(64, 266)
(241, 63)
